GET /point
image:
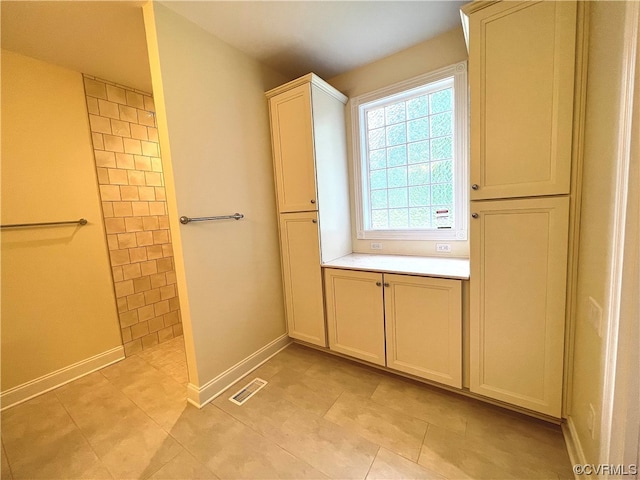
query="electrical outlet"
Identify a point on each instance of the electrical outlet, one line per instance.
(443, 247)
(376, 246)
(595, 316)
(591, 420)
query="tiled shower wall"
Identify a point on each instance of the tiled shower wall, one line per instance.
(127, 155)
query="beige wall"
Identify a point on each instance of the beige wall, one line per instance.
(214, 134)
(441, 51)
(58, 304)
(601, 134)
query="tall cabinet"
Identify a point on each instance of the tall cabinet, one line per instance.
(521, 74)
(310, 168)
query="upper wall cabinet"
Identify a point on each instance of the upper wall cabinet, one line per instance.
(521, 75)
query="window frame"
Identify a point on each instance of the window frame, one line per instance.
(458, 73)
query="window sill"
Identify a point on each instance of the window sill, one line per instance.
(457, 268)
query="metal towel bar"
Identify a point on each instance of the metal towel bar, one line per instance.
(236, 216)
(82, 221)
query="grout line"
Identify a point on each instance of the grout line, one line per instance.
(373, 461)
(6, 456)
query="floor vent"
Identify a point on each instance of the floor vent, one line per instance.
(247, 392)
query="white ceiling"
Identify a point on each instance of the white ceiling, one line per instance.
(107, 39)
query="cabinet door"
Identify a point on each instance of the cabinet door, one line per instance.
(293, 154)
(518, 274)
(521, 74)
(302, 277)
(424, 327)
(355, 314)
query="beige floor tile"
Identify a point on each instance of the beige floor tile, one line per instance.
(184, 466)
(41, 441)
(232, 450)
(386, 427)
(5, 470)
(423, 402)
(389, 466)
(336, 375)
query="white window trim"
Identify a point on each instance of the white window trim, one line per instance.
(461, 148)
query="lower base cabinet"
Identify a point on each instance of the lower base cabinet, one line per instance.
(408, 323)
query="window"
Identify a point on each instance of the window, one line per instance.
(410, 158)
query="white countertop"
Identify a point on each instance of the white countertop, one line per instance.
(441, 267)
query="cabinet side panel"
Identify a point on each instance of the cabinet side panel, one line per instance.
(332, 175)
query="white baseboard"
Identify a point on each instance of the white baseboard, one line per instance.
(574, 447)
(200, 396)
(53, 380)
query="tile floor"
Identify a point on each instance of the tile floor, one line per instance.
(318, 417)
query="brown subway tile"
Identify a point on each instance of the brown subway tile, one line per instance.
(108, 109)
(132, 348)
(116, 94)
(133, 146)
(156, 323)
(149, 149)
(156, 164)
(125, 160)
(163, 221)
(171, 277)
(139, 132)
(109, 193)
(114, 225)
(135, 99)
(136, 300)
(120, 128)
(136, 177)
(160, 236)
(164, 265)
(122, 304)
(122, 209)
(123, 288)
(133, 224)
(167, 251)
(129, 192)
(146, 118)
(149, 268)
(147, 193)
(154, 179)
(149, 103)
(150, 223)
(117, 274)
(152, 296)
(98, 141)
(154, 252)
(105, 159)
(119, 257)
(142, 284)
(174, 304)
(150, 340)
(166, 292)
(103, 176)
(107, 209)
(112, 242)
(126, 334)
(128, 114)
(160, 193)
(140, 329)
(165, 334)
(127, 240)
(99, 124)
(161, 308)
(113, 144)
(171, 318)
(158, 280)
(95, 88)
(143, 163)
(177, 329)
(131, 271)
(128, 318)
(140, 209)
(92, 106)
(157, 208)
(144, 238)
(118, 177)
(138, 254)
(153, 134)
(145, 313)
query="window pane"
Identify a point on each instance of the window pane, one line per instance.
(418, 107)
(396, 134)
(419, 152)
(378, 179)
(419, 174)
(442, 194)
(441, 101)
(397, 156)
(377, 159)
(375, 118)
(442, 172)
(395, 113)
(376, 138)
(419, 196)
(378, 199)
(399, 218)
(441, 124)
(441, 148)
(419, 217)
(418, 129)
(397, 177)
(397, 197)
(379, 219)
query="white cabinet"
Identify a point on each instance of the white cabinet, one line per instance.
(518, 288)
(411, 324)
